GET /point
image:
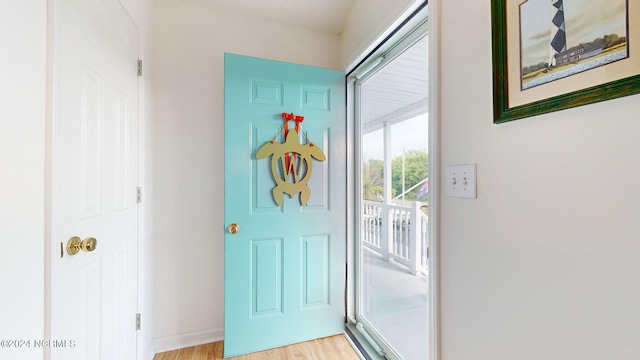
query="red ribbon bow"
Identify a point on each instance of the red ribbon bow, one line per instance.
(298, 119)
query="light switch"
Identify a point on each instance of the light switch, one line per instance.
(461, 181)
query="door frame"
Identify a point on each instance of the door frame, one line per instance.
(368, 60)
(50, 246)
(434, 183)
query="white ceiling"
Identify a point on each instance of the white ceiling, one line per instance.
(327, 16)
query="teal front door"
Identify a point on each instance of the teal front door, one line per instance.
(284, 264)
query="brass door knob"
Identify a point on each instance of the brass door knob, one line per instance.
(88, 244)
(233, 228)
(74, 245)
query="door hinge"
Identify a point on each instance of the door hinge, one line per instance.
(137, 321)
(139, 67)
(138, 195)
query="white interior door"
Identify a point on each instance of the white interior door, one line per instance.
(94, 180)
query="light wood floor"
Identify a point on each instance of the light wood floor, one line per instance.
(330, 348)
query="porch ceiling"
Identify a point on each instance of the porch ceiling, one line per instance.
(399, 91)
(326, 15)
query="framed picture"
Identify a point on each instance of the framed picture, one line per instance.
(550, 55)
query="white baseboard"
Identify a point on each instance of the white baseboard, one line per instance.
(180, 341)
(149, 352)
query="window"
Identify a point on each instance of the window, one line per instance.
(390, 101)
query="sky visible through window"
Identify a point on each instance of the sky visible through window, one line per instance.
(409, 134)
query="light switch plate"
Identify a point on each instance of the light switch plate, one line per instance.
(461, 181)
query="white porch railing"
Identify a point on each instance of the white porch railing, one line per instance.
(398, 233)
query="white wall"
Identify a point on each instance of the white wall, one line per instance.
(545, 263)
(23, 43)
(188, 76)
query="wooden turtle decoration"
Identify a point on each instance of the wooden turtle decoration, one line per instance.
(283, 169)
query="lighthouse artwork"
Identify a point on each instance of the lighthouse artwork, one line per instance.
(558, 32)
(560, 38)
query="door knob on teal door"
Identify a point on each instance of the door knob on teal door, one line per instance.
(233, 228)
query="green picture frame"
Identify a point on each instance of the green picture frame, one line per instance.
(606, 90)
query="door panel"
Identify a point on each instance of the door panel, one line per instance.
(94, 178)
(90, 143)
(266, 277)
(285, 268)
(315, 271)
